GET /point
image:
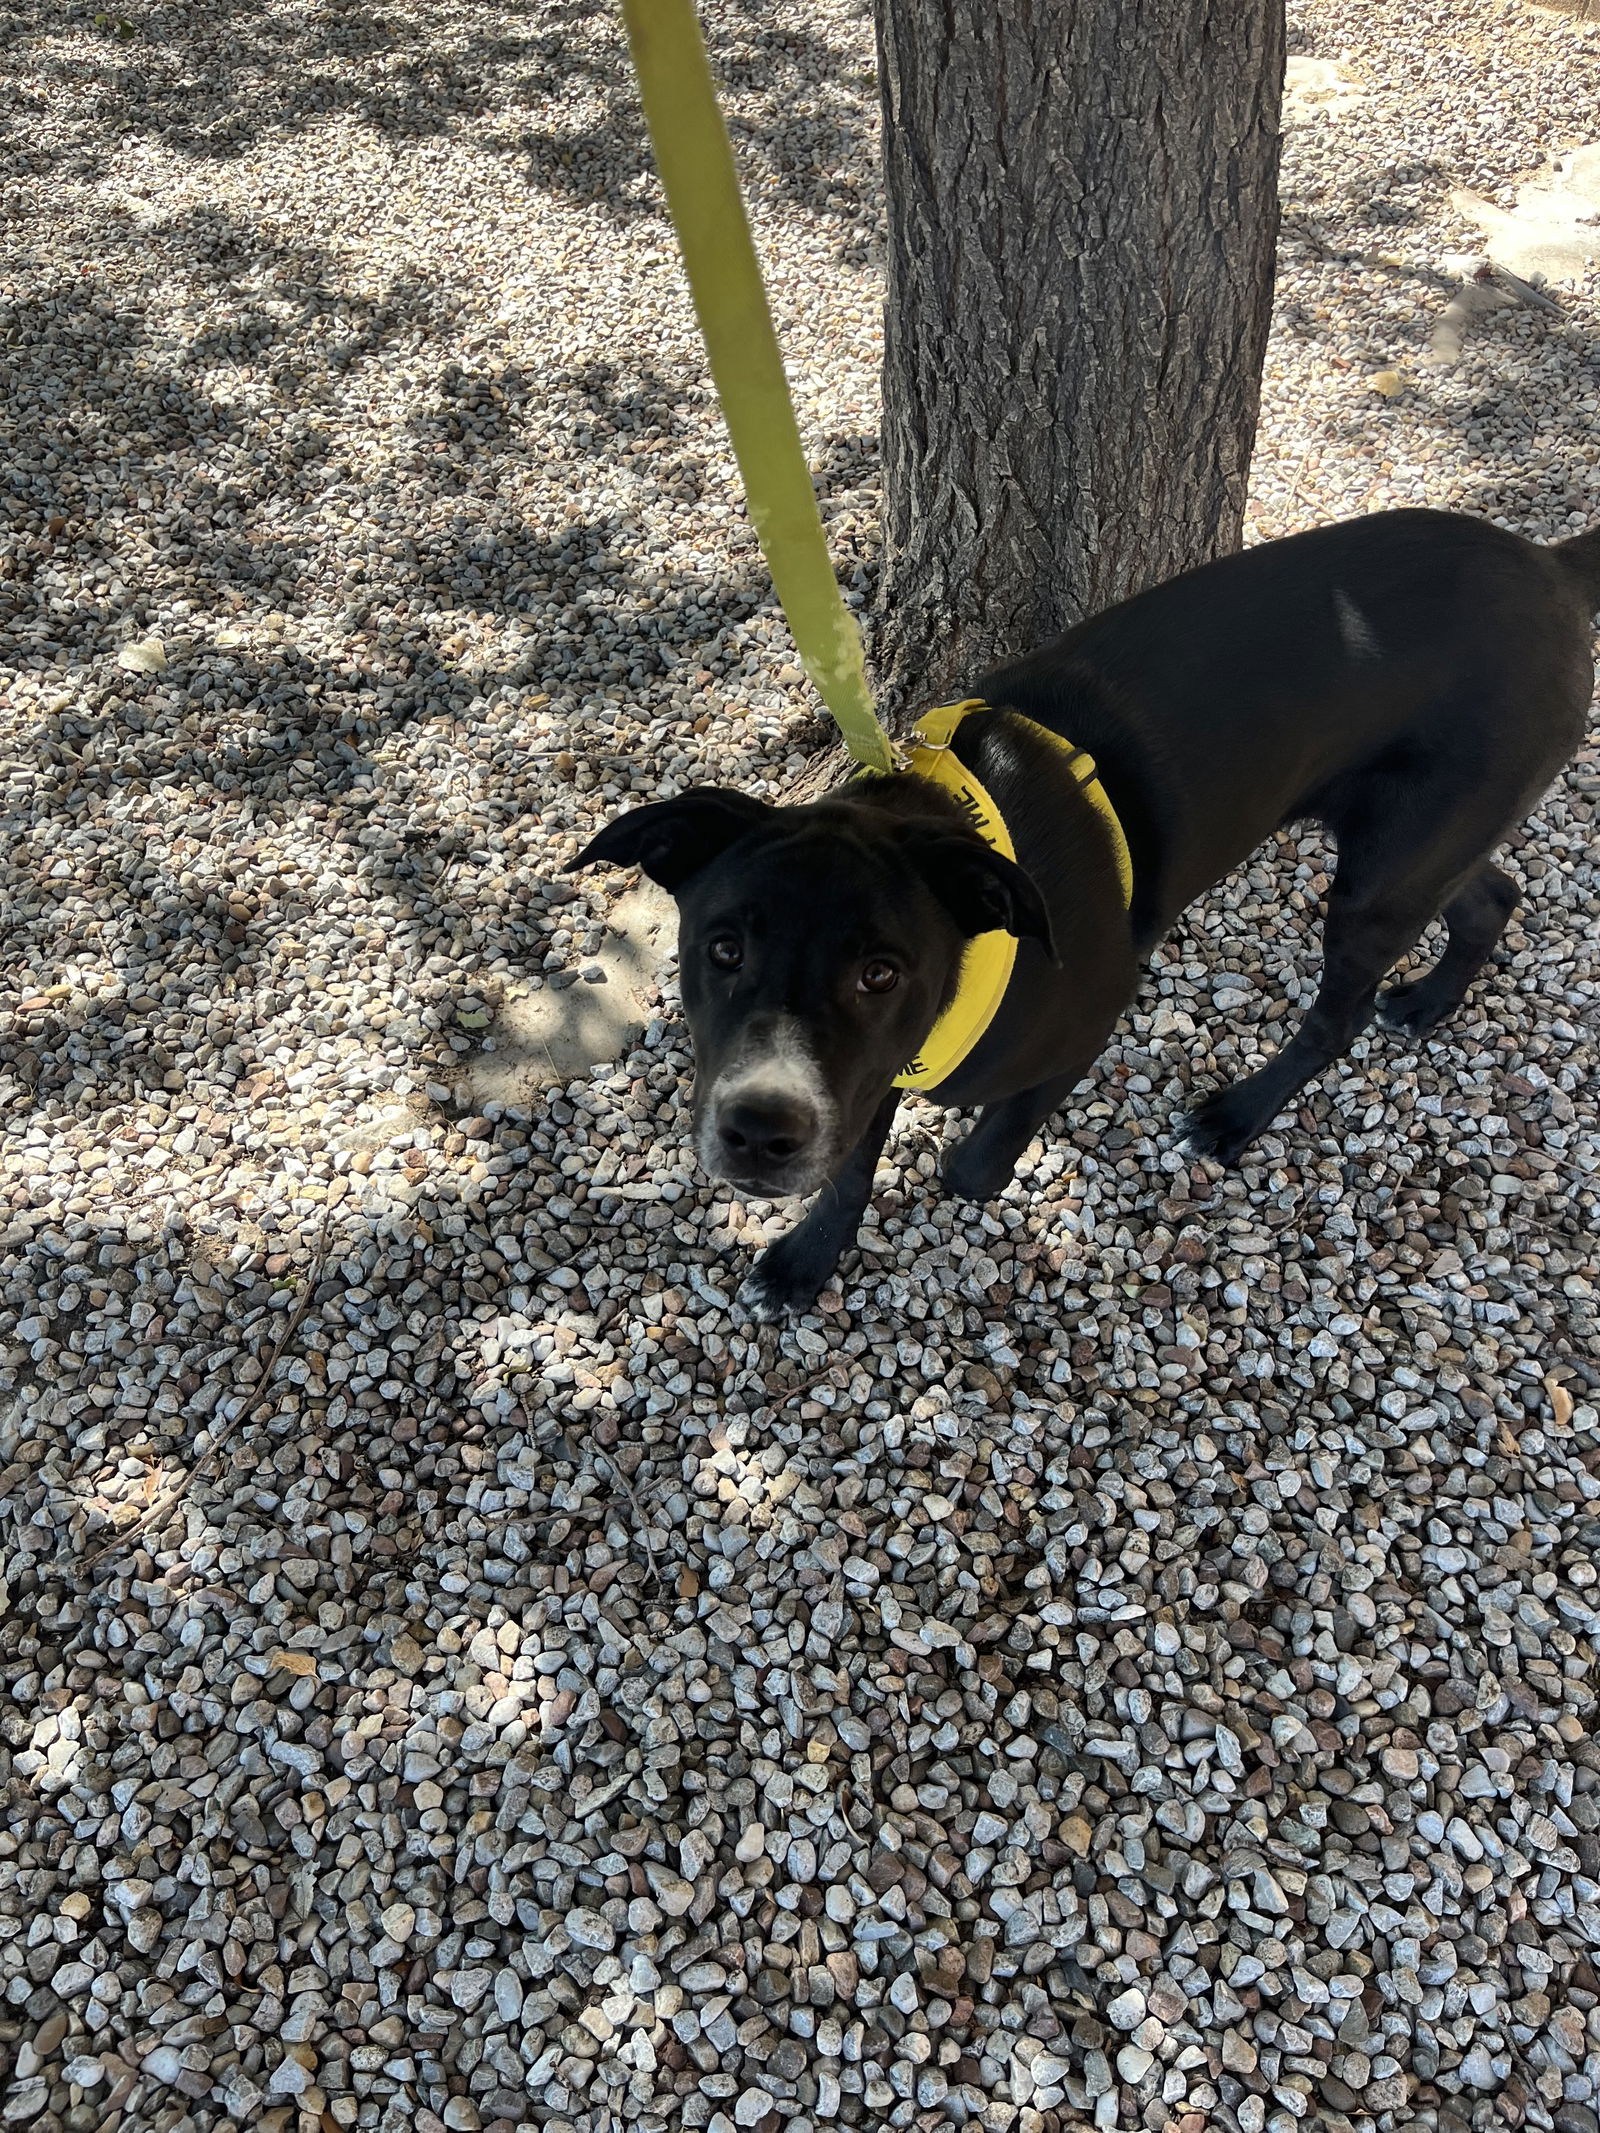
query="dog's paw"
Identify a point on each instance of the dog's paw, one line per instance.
(765, 1300)
(1412, 1010)
(968, 1173)
(781, 1285)
(1222, 1128)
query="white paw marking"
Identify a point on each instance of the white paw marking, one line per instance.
(757, 1298)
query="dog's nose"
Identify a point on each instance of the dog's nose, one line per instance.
(757, 1130)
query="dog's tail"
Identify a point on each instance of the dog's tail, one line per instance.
(1582, 557)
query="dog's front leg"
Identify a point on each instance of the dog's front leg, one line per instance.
(790, 1274)
(980, 1167)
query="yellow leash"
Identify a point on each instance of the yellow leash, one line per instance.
(696, 165)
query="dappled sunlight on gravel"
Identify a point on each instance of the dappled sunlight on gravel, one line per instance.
(1128, 1659)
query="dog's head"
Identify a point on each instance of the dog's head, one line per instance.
(817, 946)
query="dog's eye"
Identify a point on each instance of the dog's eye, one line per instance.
(879, 977)
(726, 952)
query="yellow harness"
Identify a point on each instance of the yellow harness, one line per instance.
(987, 965)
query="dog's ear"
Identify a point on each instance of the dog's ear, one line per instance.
(673, 839)
(983, 891)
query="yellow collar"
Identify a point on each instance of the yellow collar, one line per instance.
(987, 965)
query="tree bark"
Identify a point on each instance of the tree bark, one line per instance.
(1083, 210)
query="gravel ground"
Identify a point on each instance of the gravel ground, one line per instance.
(1129, 1659)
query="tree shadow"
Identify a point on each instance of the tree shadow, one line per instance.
(1500, 433)
(292, 717)
(214, 87)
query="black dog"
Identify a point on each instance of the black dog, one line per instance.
(1413, 681)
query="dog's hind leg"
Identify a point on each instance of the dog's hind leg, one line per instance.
(1374, 916)
(790, 1274)
(1476, 915)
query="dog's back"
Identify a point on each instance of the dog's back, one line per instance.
(1255, 690)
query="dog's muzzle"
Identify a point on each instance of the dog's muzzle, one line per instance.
(768, 1122)
(763, 1137)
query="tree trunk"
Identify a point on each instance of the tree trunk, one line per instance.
(1083, 209)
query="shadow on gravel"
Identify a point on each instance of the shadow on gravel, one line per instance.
(243, 713)
(807, 108)
(129, 1526)
(251, 1298)
(1495, 423)
(146, 428)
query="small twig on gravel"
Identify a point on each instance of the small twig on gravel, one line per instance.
(809, 1384)
(602, 1511)
(626, 1487)
(1524, 291)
